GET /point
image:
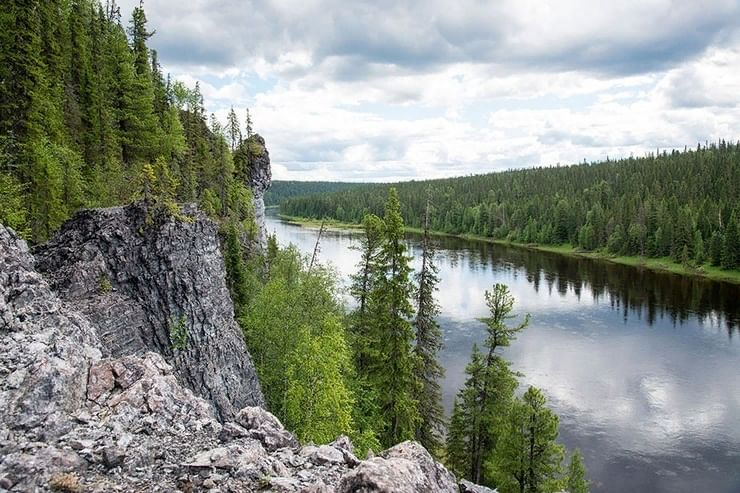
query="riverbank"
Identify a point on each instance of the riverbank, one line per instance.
(662, 264)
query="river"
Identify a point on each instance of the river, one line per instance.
(642, 368)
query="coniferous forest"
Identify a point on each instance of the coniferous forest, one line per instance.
(88, 119)
(682, 205)
(281, 190)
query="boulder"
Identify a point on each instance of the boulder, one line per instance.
(404, 468)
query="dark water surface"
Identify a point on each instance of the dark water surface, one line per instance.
(643, 368)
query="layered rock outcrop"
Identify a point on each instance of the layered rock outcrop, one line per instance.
(155, 283)
(260, 179)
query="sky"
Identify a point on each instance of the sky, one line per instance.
(390, 90)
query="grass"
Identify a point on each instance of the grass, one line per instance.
(662, 264)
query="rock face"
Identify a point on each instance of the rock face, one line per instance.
(96, 399)
(260, 179)
(143, 281)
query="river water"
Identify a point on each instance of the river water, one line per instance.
(642, 368)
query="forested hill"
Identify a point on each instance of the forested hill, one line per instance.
(281, 190)
(88, 119)
(680, 204)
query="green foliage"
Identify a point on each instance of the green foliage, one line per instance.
(88, 120)
(281, 190)
(104, 284)
(391, 358)
(428, 371)
(527, 458)
(12, 210)
(648, 206)
(294, 330)
(318, 400)
(576, 479)
(494, 438)
(179, 333)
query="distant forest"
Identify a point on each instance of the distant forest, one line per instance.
(682, 205)
(281, 190)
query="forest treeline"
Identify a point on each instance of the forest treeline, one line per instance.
(682, 205)
(285, 189)
(88, 119)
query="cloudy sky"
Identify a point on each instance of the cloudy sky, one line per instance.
(407, 89)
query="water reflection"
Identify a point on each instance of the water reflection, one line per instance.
(640, 366)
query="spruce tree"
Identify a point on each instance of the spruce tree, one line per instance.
(392, 370)
(361, 288)
(233, 130)
(487, 395)
(731, 245)
(428, 344)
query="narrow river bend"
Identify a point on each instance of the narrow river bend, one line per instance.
(642, 367)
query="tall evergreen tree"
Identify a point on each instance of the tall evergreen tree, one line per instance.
(233, 130)
(731, 244)
(428, 344)
(392, 371)
(362, 287)
(487, 395)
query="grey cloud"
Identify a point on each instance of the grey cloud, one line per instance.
(419, 35)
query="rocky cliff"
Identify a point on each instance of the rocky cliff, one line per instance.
(150, 282)
(260, 179)
(99, 394)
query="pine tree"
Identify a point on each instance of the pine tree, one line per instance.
(428, 345)
(457, 459)
(576, 479)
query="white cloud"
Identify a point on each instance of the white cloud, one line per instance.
(398, 90)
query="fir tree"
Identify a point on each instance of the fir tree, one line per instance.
(362, 286)
(248, 125)
(731, 244)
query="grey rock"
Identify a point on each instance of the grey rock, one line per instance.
(260, 179)
(404, 468)
(136, 277)
(327, 454)
(266, 428)
(229, 457)
(113, 456)
(47, 347)
(468, 487)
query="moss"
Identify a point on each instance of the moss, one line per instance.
(179, 333)
(104, 284)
